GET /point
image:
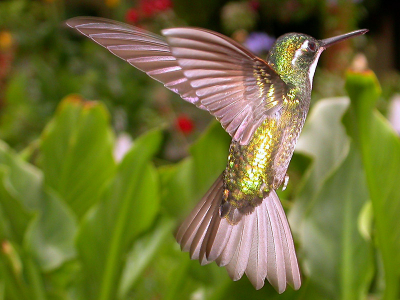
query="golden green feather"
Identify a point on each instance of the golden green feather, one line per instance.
(255, 169)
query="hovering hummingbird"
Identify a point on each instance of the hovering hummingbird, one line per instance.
(262, 104)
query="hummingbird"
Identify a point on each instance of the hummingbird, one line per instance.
(240, 222)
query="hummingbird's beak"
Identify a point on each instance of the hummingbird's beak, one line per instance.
(336, 39)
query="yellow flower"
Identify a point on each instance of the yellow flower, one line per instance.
(6, 40)
(112, 3)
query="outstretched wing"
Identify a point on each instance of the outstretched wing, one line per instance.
(205, 68)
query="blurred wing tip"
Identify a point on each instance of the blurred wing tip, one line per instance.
(76, 21)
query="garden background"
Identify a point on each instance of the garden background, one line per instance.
(99, 163)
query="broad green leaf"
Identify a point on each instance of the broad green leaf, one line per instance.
(49, 236)
(336, 256)
(64, 283)
(325, 215)
(168, 271)
(183, 184)
(35, 279)
(76, 152)
(143, 252)
(14, 217)
(177, 191)
(210, 156)
(127, 207)
(380, 150)
(243, 289)
(324, 139)
(11, 273)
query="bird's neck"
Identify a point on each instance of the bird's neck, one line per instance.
(292, 75)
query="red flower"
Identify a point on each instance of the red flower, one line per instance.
(162, 5)
(132, 16)
(147, 8)
(184, 124)
(150, 7)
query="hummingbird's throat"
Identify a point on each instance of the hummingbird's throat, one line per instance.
(302, 65)
(313, 66)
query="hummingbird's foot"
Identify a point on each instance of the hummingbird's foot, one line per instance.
(285, 182)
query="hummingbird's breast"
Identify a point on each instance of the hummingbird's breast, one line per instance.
(260, 166)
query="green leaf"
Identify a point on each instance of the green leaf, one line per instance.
(143, 252)
(76, 152)
(14, 217)
(336, 256)
(242, 289)
(35, 279)
(183, 184)
(325, 215)
(127, 207)
(178, 193)
(11, 273)
(210, 156)
(380, 151)
(324, 139)
(49, 235)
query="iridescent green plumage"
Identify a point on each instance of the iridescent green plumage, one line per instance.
(257, 168)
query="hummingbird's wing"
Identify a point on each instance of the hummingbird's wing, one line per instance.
(205, 68)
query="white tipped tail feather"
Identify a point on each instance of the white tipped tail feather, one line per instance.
(260, 245)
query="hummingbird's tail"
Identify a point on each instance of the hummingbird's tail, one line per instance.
(260, 244)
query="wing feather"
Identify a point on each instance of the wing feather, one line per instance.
(205, 68)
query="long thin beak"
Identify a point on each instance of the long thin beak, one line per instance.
(336, 39)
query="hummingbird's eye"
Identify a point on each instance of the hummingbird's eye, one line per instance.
(312, 46)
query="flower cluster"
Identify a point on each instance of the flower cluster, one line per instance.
(147, 9)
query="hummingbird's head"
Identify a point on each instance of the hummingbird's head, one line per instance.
(294, 56)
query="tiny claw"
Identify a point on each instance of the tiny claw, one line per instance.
(285, 182)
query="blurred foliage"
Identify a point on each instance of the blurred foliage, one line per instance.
(78, 223)
(75, 224)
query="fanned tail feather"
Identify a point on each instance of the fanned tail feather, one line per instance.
(260, 244)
